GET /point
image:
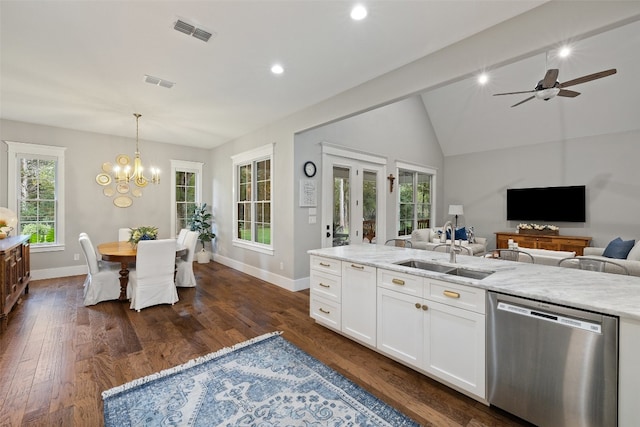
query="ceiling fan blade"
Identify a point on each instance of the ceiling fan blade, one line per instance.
(523, 101)
(589, 77)
(550, 78)
(514, 93)
(568, 93)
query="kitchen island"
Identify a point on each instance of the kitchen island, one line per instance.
(364, 268)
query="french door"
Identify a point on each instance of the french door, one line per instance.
(352, 197)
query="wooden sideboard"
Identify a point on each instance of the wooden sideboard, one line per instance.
(15, 273)
(543, 241)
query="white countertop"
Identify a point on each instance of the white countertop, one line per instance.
(607, 293)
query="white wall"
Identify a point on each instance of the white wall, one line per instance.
(515, 38)
(606, 164)
(87, 209)
(399, 132)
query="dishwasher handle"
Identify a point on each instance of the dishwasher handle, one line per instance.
(550, 317)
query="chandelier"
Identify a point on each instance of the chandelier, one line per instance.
(123, 173)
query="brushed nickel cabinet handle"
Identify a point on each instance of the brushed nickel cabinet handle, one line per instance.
(397, 282)
(359, 267)
(451, 294)
(324, 311)
(323, 285)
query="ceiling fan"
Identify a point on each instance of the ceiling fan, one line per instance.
(549, 87)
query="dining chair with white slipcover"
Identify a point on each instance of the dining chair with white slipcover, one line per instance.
(184, 274)
(103, 278)
(124, 234)
(182, 235)
(152, 281)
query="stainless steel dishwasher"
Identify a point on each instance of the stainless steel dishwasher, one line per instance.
(552, 365)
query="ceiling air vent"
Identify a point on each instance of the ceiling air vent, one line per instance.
(191, 30)
(158, 82)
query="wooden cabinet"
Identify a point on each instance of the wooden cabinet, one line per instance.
(359, 302)
(539, 241)
(439, 329)
(15, 273)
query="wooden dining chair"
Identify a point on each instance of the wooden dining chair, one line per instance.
(103, 278)
(152, 281)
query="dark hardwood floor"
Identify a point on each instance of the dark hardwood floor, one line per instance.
(57, 355)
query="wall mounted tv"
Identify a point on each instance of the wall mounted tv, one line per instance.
(566, 204)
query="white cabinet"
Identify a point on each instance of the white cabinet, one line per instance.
(325, 291)
(401, 326)
(445, 339)
(434, 326)
(455, 349)
(359, 302)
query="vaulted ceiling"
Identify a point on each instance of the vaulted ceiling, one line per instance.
(468, 118)
(81, 64)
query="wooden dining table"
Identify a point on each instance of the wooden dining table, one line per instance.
(125, 253)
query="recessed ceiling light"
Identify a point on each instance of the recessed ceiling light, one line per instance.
(483, 78)
(564, 52)
(277, 69)
(358, 12)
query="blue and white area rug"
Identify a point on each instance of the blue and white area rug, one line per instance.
(266, 381)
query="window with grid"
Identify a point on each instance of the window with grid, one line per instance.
(187, 192)
(36, 193)
(253, 205)
(415, 204)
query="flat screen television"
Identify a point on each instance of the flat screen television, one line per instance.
(566, 204)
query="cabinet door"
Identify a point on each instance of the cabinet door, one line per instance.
(359, 302)
(400, 326)
(455, 347)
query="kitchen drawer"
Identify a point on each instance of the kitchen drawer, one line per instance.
(401, 282)
(327, 265)
(325, 285)
(326, 312)
(453, 294)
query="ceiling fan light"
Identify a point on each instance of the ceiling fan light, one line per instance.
(547, 94)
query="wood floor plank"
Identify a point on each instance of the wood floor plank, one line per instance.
(58, 356)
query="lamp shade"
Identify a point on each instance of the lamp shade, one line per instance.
(456, 210)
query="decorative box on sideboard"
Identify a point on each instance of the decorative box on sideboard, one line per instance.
(15, 273)
(544, 241)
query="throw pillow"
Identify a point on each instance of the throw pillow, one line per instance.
(618, 248)
(634, 254)
(470, 235)
(460, 234)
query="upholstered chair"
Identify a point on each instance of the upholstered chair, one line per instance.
(152, 281)
(103, 279)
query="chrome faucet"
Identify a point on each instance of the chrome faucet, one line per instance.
(453, 250)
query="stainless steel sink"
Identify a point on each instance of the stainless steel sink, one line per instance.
(472, 274)
(422, 265)
(447, 269)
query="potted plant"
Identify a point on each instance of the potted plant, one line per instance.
(201, 222)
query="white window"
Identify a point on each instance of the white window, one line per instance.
(415, 198)
(36, 193)
(252, 190)
(186, 192)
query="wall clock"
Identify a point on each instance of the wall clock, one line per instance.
(310, 169)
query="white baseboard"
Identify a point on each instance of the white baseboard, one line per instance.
(267, 276)
(52, 273)
(276, 279)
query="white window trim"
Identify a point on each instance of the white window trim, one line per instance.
(260, 153)
(421, 169)
(26, 149)
(184, 166)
